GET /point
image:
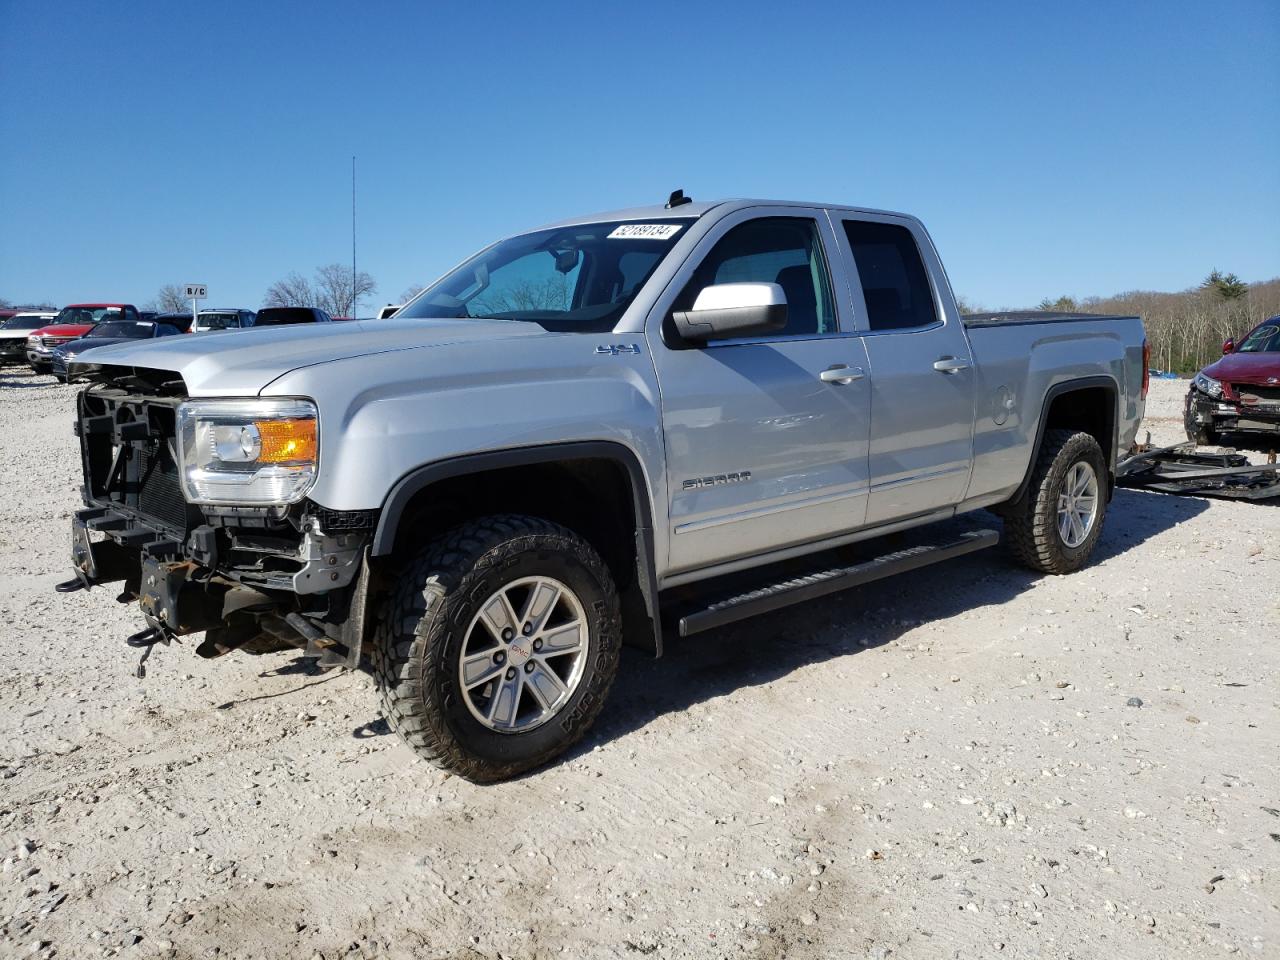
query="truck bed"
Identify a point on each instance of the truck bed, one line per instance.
(1021, 358)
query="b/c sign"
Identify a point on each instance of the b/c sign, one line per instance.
(197, 291)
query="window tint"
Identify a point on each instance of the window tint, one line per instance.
(894, 283)
(781, 250)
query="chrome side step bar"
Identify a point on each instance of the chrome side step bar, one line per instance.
(823, 582)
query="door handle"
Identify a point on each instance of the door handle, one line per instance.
(840, 373)
(951, 364)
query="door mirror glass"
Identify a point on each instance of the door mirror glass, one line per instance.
(1228, 346)
(727, 310)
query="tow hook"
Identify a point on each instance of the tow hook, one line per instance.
(146, 641)
(78, 582)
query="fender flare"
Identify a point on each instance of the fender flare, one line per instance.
(1071, 386)
(424, 476)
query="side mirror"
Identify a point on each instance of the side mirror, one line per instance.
(1228, 346)
(727, 310)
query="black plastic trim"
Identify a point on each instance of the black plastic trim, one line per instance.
(415, 481)
(1072, 386)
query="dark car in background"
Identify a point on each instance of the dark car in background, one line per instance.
(280, 316)
(180, 320)
(105, 334)
(1239, 394)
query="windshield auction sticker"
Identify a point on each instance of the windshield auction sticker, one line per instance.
(645, 231)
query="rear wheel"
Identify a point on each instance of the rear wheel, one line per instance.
(1056, 525)
(498, 646)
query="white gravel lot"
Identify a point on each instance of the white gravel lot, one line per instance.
(941, 765)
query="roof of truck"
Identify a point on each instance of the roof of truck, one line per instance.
(696, 208)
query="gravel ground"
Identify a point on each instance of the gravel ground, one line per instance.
(952, 764)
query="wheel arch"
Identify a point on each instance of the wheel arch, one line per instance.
(599, 478)
(1090, 404)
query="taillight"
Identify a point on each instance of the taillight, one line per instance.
(1146, 367)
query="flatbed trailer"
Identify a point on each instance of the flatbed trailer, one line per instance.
(1181, 470)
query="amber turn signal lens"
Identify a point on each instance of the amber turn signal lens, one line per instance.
(287, 441)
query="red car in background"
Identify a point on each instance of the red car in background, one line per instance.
(1239, 394)
(71, 323)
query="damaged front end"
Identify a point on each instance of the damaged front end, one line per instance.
(1214, 407)
(159, 472)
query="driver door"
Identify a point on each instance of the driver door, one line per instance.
(763, 451)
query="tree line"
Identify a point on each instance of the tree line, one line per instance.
(1185, 329)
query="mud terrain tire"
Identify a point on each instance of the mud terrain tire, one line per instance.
(434, 605)
(1031, 524)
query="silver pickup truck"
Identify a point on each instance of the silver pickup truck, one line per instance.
(611, 430)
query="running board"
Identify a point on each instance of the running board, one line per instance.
(824, 582)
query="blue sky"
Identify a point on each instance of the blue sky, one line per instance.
(1051, 148)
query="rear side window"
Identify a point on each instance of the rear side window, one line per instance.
(781, 250)
(895, 286)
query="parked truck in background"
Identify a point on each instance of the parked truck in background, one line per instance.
(72, 322)
(674, 416)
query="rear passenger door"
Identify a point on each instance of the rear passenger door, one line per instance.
(763, 450)
(922, 377)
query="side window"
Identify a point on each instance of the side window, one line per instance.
(130, 313)
(894, 283)
(782, 250)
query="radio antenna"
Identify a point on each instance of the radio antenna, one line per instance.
(353, 237)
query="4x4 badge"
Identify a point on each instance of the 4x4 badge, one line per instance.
(613, 349)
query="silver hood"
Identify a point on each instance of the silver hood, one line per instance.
(243, 362)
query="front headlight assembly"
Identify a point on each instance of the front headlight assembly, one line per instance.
(1208, 385)
(248, 452)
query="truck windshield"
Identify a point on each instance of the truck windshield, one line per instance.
(87, 314)
(1266, 339)
(576, 279)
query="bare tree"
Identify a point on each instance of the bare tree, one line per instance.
(411, 291)
(168, 299)
(337, 295)
(331, 290)
(294, 290)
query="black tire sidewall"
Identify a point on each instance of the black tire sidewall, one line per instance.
(1081, 447)
(547, 556)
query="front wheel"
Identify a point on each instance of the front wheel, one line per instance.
(498, 645)
(1057, 523)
